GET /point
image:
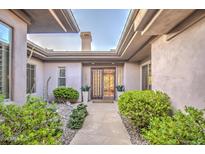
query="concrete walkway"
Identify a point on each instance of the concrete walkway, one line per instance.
(103, 126)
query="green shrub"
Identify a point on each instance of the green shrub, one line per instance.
(141, 106)
(32, 123)
(33, 99)
(64, 94)
(182, 128)
(77, 117)
(73, 95)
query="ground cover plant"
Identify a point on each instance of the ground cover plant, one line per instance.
(77, 117)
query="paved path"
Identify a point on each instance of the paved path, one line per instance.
(103, 126)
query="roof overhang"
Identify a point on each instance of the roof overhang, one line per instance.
(150, 25)
(48, 20)
(85, 56)
(142, 28)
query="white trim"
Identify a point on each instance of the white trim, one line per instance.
(143, 64)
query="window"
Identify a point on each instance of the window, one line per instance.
(31, 78)
(146, 77)
(5, 52)
(62, 77)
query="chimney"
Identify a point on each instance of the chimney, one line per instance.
(86, 40)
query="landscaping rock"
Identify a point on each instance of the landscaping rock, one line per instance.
(64, 111)
(134, 133)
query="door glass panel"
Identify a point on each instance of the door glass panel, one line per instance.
(109, 83)
(96, 84)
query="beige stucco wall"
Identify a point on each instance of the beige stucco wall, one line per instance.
(131, 76)
(18, 77)
(86, 75)
(73, 76)
(39, 76)
(178, 67)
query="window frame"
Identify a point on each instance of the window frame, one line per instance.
(11, 43)
(61, 77)
(34, 91)
(148, 63)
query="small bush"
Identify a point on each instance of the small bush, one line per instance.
(33, 99)
(141, 106)
(64, 94)
(77, 117)
(73, 95)
(32, 123)
(182, 128)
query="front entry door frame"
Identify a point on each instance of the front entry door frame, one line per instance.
(101, 71)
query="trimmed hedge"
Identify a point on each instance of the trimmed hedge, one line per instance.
(182, 128)
(141, 106)
(32, 123)
(64, 94)
(77, 117)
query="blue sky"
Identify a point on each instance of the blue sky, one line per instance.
(106, 27)
(4, 33)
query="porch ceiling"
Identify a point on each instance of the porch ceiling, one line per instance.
(48, 20)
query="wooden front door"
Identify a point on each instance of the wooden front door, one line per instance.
(103, 83)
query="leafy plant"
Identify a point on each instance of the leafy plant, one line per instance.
(77, 117)
(32, 123)
(182, 128)
(73, 95)
(33, 99)
(141, 106)
(1, 98)
(85, 88)
(64, 94)
(120, 88)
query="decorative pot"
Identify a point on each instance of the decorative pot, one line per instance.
(119, 93)
(85, 97)
(73, 101)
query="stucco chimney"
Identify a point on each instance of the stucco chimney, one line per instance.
(86, 40)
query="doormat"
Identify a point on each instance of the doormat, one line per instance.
(103, 101)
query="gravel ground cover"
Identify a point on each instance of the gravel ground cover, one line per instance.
(64, 111)
(133, 132)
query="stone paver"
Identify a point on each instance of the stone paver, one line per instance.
(103, 126)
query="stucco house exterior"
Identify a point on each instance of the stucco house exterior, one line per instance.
(158, 49)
